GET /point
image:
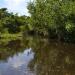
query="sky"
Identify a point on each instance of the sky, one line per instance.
(15, 6)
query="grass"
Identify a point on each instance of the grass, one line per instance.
(5, 37)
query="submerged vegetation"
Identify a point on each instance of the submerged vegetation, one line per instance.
(50, 18)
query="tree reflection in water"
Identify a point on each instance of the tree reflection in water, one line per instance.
(11, 48)
(50, 58)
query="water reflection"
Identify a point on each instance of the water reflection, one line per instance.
(10, 48)
(52, 58)
(17, 65)
(37, 56)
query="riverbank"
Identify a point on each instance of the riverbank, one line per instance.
(5, 37)
(11, 36)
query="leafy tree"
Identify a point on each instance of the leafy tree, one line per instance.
(53, 16)
(11, 22)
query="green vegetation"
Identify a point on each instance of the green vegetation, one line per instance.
(10, 23)
(8, 37)
(52, 18)
(55, 18)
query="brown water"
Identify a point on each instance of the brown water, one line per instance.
(37, 56)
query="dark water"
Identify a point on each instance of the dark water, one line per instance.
(37, 56)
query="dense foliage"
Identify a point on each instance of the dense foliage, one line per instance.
(55, 18)
(10, 23)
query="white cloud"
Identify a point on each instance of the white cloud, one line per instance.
(14, 2)
(17, 6)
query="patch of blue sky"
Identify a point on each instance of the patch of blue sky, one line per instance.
(15, 6)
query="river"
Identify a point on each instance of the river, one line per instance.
(37, 56)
